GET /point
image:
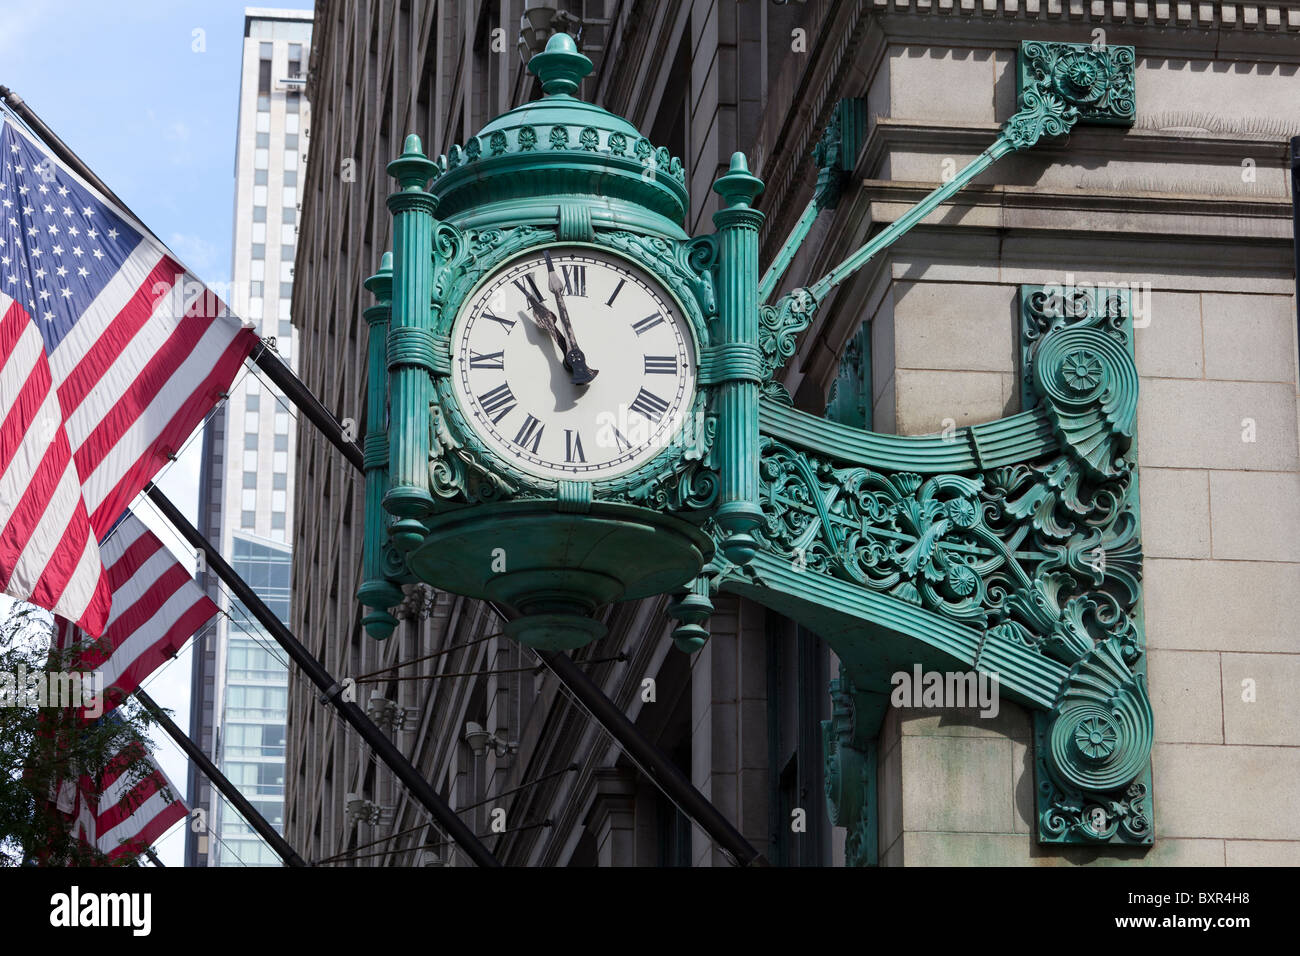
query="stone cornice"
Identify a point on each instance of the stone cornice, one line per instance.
(1247, 16)
(1141, 143)
(1092, 210)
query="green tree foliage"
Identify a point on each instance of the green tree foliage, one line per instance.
(41, 746)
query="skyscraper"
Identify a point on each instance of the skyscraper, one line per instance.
(238, 696)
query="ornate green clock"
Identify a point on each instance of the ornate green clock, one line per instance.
(572, 402)
(523, 349)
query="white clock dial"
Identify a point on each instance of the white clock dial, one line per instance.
(518, 381)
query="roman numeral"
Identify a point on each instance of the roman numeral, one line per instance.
(507, 324)
(620, 442)
(573, 447)
(660, 364)
(650, 405)
(498, 403)
(648, 323)
(489, 359)
(530, 432)
(575, 280)
(617, 289)
(528, 286)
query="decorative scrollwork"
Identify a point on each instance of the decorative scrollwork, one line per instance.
(779, 327)
(1066, 83)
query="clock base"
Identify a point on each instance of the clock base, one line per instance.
(555, 568)
(555, 632)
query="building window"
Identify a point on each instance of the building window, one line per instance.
(286, 291)
(291, 123)
(261, 158)
(292, 101)
(263, 140)
(289, 196)
(259, 250)
(284, 305)
(279, 480)
(250, 421)
(290, 159)
(255, 288)
(277, 520)
(248, 499)
(250, 461)
(286, 328)
(257, 270)
(254, 400)
(280, 461)
(263, 123)
(288, 236)
(281, 442)
(259, 195)
(255, 308)
(290, 177)
(248, 519)
(286, 250)
(288, 214)
(259, 177)
(265, 50)
(250, 479)
(290, 141)
(259, 232)
(264, 75)
(278, 501)
(250, 441)
(259, 214)
(281, 423)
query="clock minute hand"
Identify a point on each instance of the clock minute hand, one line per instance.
(582, 374)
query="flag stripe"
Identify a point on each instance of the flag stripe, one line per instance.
(113, 344)
(193, 406)
(156, 608)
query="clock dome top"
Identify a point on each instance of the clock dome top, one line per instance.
(560, 149)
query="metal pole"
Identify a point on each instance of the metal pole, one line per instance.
(219, 780)
(652, 760)
(331, 690)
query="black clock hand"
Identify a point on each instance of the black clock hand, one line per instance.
(573, 357)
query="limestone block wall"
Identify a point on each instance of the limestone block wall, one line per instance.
(1167, 206)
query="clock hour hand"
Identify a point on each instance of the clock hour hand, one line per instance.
(573, 357)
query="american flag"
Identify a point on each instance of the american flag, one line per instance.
(122, 812)
(156, 608)
(111, 354)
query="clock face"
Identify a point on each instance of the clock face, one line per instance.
(522, 352)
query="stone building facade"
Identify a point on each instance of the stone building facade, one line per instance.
(1190, 207)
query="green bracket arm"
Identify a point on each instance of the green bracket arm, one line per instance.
(1010, 548)
(1059, 85)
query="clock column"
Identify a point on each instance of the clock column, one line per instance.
(410, 345)
(736, 359)
(376, 591)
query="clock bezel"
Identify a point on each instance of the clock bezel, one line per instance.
(664, 270)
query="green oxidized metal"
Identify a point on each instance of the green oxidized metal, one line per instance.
(1010, 547)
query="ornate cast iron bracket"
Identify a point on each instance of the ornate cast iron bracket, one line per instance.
(1058, 86)
(1010, 548)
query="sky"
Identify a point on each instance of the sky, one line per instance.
(146, 92)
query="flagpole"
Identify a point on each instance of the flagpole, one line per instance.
(258, 822)
(332, 692)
